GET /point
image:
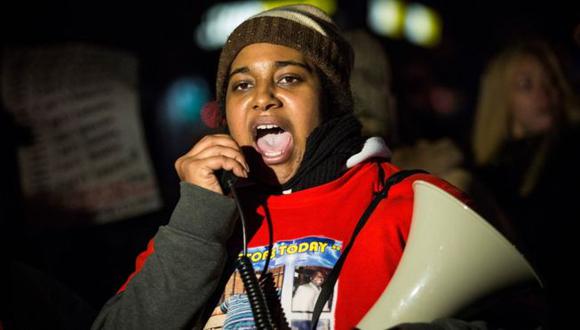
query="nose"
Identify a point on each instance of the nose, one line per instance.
(265, 98)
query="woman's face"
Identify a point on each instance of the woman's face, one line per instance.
(534, 98)
(272, 104)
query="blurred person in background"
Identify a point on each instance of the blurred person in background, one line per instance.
(374, 101)
(376, 108)
(524, 146)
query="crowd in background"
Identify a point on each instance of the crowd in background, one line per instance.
(520, 163)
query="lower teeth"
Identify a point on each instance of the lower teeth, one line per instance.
(273, 154)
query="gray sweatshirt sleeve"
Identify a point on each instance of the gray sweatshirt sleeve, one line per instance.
(176, 281)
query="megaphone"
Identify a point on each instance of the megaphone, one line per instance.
(453, 257)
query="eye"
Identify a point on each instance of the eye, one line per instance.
(525, 83)
(241, 85)
(289, 79)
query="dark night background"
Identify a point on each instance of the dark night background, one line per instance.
(93, 261)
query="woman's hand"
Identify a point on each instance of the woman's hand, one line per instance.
(210, 154)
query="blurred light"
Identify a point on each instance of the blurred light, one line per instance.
(385, 17)
(221, 19)
(419, 24)
(328, 6)
(185, 99)
(422, 25)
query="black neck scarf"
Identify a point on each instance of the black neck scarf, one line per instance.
(328, 148)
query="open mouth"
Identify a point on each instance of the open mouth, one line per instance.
(273, 142)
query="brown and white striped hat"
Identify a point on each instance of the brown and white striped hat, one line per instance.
(303, 27)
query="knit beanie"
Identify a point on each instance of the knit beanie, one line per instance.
(305, 28)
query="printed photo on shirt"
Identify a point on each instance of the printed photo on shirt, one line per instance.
(307, 286)
(293, 265)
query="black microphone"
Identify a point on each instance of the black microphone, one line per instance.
(227, 180)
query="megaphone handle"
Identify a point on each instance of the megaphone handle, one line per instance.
(330, 281)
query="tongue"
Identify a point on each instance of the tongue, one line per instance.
(273, 142)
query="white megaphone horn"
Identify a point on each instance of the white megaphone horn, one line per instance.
(453, 258)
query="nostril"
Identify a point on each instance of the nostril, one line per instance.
(266, 106)
(270, 106)
(265, 99)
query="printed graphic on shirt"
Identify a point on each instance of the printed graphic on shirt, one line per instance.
(296, 271)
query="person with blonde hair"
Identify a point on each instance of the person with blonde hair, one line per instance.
(523, 95)
(524, 139)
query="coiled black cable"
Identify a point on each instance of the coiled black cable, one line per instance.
(256, 297)
(262, 317)
(273, 301)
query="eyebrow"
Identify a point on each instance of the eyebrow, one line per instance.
(243, 69)
(278, 64)
(287, 63)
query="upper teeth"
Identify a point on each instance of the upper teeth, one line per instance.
(266, 126)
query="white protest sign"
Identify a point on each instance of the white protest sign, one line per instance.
(88, 153)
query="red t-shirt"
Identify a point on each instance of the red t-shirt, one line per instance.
(311, 227)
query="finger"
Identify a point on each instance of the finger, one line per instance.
(223, 151)
(230, 164)
(202, 171)
(224, 163)
(213, 140)
(212, 152)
